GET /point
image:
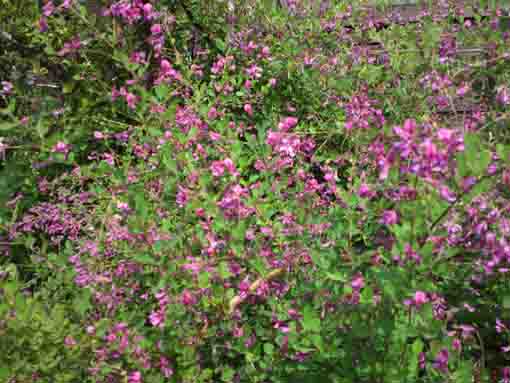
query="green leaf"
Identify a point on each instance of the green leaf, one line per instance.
(203, 280)
(503, 152)
(311, 321)
(462, 167)
(432, 35)
(268, 348)
(506, 302)
(145, 259)
(162, 91)
(223, 270)
(220, 44)
(227, 374)
(471, 149)
(417, 347)
(68, 87)
(4, 126)
(335, 277)
(367, 296)
(82, 303)
(464, 374)
(481, 165)
(4, 374)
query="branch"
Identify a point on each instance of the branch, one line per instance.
(449, 208)
(198, 26)
(237, 300)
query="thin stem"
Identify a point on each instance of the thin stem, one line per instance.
(450, 207)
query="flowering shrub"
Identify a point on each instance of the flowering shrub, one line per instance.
(248, 193)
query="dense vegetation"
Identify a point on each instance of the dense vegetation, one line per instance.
(200, 191)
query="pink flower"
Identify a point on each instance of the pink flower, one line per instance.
(457, 344)
(365, 192)
(506, 375)
(148, 12)
(503, 95)
(123, 206)
(441, 361)
(358, 283)
(61, 147)
(48, 8)
(6, 87)
(70, 341)
(156, 29)
(389, 217)
(287, 124)
(447, 194)
(463, 89)
(43, 24)
(164, 365)
(248, 109)
(212, 114)
(229, 165)
(157, 318)
(217, 168)
(420, 298)
(135, 377)
(131, 100)
(187, 298)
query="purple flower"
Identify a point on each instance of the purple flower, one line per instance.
(420, 298)
(157, 318)
(69, 341)
(6, 87)
(212, 114)
(217, 168)
(48, 8)
(365, 192)
(43, 24)
(61, 147)
(156, 29)
(389, 217)
(248, 109)
(135, 377)
(287, 124)
(358, 283)
(441, 361)
(503, 95)
(447, 194)
(421, 360)
(164, 365)
(500, 326)
(188, 299)
(506, 375)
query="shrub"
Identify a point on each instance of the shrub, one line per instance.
(244, 193)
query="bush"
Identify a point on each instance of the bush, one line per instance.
(250, 193)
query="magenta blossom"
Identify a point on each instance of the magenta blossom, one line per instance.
(188, 299)
(389, 217)
(419, 299)
(135, 377)
(248, 109)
